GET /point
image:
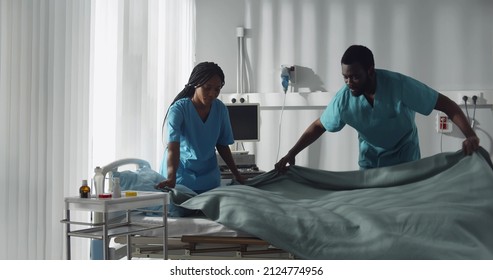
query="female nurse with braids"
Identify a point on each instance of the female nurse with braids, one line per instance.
(198, 124)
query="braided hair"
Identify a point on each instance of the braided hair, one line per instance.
(201, 73)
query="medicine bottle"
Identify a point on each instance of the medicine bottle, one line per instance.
(117, 191)
(84, 190)
(98, 180)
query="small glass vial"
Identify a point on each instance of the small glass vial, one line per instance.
(85, 190)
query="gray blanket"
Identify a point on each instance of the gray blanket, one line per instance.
(439, 207)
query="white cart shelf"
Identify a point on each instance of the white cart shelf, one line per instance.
(106, 230)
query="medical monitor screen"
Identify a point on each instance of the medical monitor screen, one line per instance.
(245, 121)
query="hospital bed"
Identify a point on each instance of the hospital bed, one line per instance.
(195, 237)
(440, 207)
(198, 238)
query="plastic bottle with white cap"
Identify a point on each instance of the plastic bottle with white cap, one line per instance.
(117, 192)
(98, 180)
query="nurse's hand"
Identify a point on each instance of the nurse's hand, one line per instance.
(470, 145)
(169, 183)
(281, 165)
(240, 179)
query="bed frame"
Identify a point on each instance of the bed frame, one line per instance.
(203, 247)
(190, 246)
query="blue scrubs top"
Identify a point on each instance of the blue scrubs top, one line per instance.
(387, 131)
(198, 168)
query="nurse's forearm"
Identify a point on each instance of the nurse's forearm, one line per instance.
(173, 159)
(226, 155)
(312, 133)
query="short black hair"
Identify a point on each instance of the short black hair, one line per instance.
(358, 54)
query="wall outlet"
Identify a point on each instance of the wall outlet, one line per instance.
(443, 124)
(292, 74)
(479, 101)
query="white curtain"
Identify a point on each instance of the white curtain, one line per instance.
(44, 83)
(65, 88)
(143, 55)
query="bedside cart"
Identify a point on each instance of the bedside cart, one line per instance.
(105, 230)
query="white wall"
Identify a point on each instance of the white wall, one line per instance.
(447, 44)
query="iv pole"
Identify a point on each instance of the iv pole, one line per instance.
(240, 33)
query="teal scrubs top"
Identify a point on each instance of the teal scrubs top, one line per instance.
(198, 168)
(387, 131)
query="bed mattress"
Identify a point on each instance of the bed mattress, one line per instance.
(178, 227)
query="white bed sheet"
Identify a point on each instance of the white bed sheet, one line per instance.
(178, 227)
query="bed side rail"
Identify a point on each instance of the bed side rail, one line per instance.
(126, 161)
